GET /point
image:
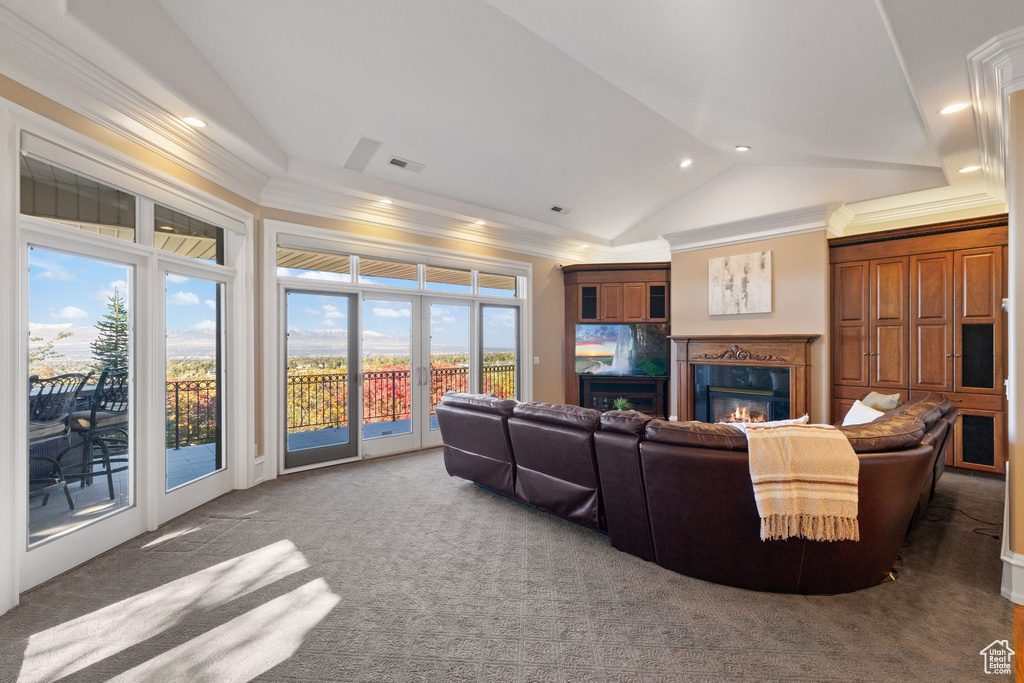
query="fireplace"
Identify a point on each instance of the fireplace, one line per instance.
(740, 393)
(743, 379)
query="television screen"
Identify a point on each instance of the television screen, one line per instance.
(622, 350)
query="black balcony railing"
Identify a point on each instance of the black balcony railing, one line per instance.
(191, 412)
(320, 401)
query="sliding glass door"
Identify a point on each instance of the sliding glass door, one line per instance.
(321, 393)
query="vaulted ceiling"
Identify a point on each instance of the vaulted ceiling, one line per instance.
(515, 106)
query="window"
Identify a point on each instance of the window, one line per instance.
(500, 346)
(314, 265)
(181, 234)
(448, 279)
(497, 285)
(48, 191)
(193, 340)
(81, 416)
(392, 273)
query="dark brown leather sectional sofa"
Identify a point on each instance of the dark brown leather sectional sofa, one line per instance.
(679, 493)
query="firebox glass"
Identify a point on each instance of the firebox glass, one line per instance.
(740, 393)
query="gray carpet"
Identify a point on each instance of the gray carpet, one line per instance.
(391, 570)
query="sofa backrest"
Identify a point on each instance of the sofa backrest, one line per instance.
(477, 446)
(617, 446)
(556, 469)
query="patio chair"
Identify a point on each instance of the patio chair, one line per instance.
(103, 429)
(51, 401)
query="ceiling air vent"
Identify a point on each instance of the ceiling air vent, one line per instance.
(406, 164)
(560, 209)
(361, 154)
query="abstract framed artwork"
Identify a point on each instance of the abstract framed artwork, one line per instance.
(740, 284)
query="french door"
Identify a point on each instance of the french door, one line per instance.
(85, 477)
(364, 369)
(322, 410)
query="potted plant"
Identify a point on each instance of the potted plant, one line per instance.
(622, 403)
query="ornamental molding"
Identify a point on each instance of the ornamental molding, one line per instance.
(736, 352)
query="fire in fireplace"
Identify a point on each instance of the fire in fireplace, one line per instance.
(729, 405)
(731, 393)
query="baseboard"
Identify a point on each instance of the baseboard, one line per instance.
(1013, 563)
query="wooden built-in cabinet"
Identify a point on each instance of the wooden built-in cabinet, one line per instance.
(623, 302)
(918, 311)
(610, 293)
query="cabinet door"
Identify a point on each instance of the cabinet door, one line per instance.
(590, 300)
(931, 322)
(979, 440)
(889, 328)
(611, 302)
(657, 303)
(977, 351)
(850, 323)
(635, 302)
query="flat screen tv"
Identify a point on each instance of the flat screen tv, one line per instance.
(627, 350)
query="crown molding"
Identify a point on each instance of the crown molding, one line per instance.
(771, 226)
(846, 217)
(839, 219)
(996, 69)
(37, 61)
(301, 198)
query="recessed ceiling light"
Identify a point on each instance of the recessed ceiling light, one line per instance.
(479, 223)
(742, 148)
(685, 162)
(194, 122)
(584, 246)
(954, 108)
(384, 201)
(969, 169)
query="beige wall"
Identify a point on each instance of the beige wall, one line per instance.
(1015, 407)
(800, 302)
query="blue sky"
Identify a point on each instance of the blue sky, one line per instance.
(74, 290)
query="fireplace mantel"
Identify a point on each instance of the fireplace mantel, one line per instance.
(779, 351)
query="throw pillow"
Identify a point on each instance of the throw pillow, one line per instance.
(881, 402)
(861, 414)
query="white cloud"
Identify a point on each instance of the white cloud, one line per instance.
(57, 274)
(171, 277)
(211, 303)
(381, 312)
(104, 294)
(70, 313)
(184, 299)
(205, 325)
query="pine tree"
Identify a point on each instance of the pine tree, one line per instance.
(111, 346)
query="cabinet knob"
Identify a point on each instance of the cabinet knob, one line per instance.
(949, 355)
(957, 355)
(957, 400)
(866, 353)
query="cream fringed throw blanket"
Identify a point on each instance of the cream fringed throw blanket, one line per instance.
(805, 482)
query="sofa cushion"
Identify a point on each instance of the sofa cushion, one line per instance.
(624, 422)
(573, 417)
(928, 409)
(888, 433)
(479, 402)
(697, 434)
